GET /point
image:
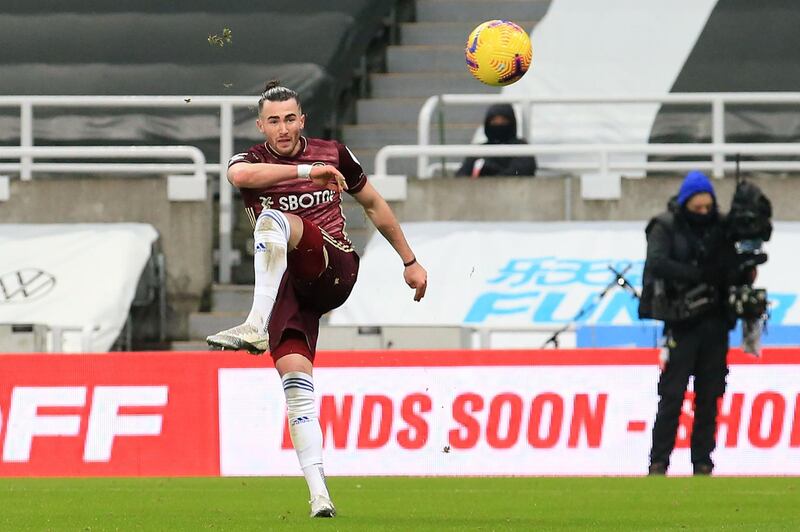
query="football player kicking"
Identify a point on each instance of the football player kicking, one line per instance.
(304, 264)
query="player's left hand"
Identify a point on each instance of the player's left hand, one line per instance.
(325, 175)
(417, 278)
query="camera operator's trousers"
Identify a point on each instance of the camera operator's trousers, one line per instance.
(700, 350)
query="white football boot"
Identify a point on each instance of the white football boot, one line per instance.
(242, 337)
(321, 506)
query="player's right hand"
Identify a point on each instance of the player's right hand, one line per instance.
(417, 278)
(325, 175)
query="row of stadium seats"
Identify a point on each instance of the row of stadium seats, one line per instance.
(356, 7)
(143, 38)
(157, 48)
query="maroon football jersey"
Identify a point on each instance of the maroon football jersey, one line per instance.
(321, 206)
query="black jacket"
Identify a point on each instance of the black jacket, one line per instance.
(506, 134)
(685, 256)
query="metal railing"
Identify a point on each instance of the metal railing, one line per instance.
(604, 153)
(717, 101)
(224, 104)
(174, 189)
(197, 167)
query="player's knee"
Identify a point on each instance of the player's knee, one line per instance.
(272, 224)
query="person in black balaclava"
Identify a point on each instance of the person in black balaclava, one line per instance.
(500, 127)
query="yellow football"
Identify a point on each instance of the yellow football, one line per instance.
(498, 52)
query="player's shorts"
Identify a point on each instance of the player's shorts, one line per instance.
(308, 290)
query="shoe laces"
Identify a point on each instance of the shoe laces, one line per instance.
(244, 328)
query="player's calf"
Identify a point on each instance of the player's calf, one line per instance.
(306, 437)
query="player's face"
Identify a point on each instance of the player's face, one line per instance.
(281, 123)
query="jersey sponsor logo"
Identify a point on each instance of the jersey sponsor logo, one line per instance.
(293, 202)
(25, 285)
(266, 202)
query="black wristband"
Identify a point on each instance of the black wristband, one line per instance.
(409, 263)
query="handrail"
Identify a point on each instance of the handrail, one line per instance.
(717, 100)
(602, 151)
(127, 101)
(225, 104)
(112, 152)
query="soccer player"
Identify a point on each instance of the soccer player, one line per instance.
(304, 264)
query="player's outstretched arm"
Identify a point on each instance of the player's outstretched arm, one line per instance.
(264, 175)
(260, 175)
(384, 219)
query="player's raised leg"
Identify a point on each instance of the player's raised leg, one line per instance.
(298, 385)
(275, 233)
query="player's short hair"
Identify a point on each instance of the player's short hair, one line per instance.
(275, 92)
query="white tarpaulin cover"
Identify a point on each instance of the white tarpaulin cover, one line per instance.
(525, 274)
(626, 47)
(81, 276)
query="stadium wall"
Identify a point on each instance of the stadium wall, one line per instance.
(543, 199)
(449, 413)
(185, 228)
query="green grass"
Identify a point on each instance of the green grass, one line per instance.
(403, 504)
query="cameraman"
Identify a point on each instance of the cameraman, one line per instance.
(686, 276)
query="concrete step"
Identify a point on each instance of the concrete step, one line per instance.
(338, 337)
(353, 212)
(202, 324)
(387, 110)
(231, 297)
(477, 11)
(191, 345)
(426, 58)
(354, 338)
(417, 85)
(379, 135)
(406, 166)
(358, 226)
(359, 237)
(448, 33)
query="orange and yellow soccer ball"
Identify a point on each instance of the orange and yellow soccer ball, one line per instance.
(498, 52)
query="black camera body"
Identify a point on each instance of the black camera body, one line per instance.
(748, 226)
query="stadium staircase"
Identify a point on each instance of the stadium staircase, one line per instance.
(429, 60)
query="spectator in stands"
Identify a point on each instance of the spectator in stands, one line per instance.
(304, 264)
(500, 127)
(686, 277)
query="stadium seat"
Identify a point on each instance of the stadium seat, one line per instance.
(157, 48)
(54, 126)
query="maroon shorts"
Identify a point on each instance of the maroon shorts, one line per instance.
(308, 290)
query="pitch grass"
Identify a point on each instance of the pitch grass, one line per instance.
(403, 504)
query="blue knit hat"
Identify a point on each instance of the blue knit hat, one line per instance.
(695, 182)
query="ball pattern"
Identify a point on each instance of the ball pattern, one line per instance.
(498, 52)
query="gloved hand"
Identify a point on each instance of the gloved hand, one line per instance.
(751, 336)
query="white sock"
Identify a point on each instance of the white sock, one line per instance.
(305, 430)
(271, 238)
